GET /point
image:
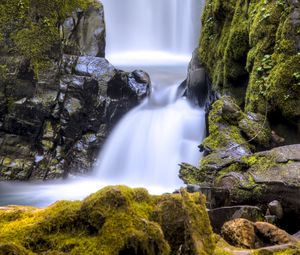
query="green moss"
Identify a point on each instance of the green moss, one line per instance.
(31, 28)
(222, 133)
(255, 39)
(191, 174)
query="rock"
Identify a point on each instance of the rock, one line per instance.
(95, 67)
(219, 216)
(275, 208)
(271, 234)
(196, 83)
(245, 234)
(193, 188)
(256, 128)
(114, 220)
(240, 233)
(84, 33)
(297, 235)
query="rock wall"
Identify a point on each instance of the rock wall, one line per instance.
(53, 123)
(251, 51)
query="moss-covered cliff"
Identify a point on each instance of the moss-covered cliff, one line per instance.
(32, 28)
(251, 50)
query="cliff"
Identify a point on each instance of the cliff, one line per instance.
(251, 53)
(59, 96)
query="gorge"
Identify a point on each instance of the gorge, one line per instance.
(132, 127)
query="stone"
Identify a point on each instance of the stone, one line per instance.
(256, 128)
(84, 32)
(95, 67)
(218, 216)
(196, 82)
(272, 234)
(90, 32)
(275, 208)
(240, 233)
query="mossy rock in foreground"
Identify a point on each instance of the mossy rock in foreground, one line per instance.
(114, 220)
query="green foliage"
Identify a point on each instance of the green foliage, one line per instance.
(255, 39)
(31, 28)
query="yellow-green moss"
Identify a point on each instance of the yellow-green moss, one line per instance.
(31, 28)
(255, 39)
(111, 221)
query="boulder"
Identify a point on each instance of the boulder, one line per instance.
(115, 220)
(65, 116)
(246, 234)
(219, 216)
(240, 233)
(84, 32)
(196, 82)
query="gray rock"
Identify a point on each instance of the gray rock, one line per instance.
(96, 67)
(196, 83)
(275, 208)
(84, 33)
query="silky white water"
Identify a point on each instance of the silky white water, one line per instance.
(147, 146)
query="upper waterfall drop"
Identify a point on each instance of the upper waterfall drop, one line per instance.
(151, 31)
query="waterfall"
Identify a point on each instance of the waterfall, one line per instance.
(139, 29)
(149, 143)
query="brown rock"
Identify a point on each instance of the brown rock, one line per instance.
(239, 232)
(271, 234)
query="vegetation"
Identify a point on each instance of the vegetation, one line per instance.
(115, 220)
(31, 28)
(250, 51)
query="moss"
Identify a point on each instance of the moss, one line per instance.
(31, 28)
(66, 221)
(222, 133)
(255, 39)
(114, 220)
(191, 174)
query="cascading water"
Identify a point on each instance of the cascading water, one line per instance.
(150, 141)
(148, 144)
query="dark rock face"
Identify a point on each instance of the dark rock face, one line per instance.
(55, 124)
(197, 81)
(84, 33)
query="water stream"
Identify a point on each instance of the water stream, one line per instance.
(148, 144)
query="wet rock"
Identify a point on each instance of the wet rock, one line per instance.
(196, 83)
(84, 33)
(95, 67)
(275, 208)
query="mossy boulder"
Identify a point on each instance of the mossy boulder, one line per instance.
(114, 220)
(232, 135)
